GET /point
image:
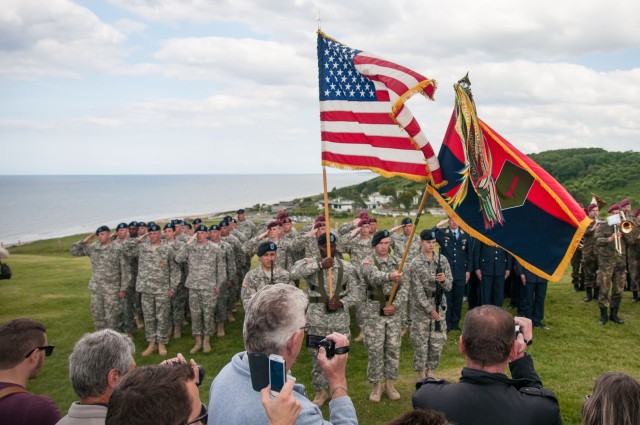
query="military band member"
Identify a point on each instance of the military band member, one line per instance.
(157, 281)
(110, 279)
(382, 323)
(455, 245)
(611, 267)
(590, 254)
(207, 273)
(327, 314)
(430, 276)
(633, 259)
(267, 273)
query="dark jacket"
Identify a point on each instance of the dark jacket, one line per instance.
(457, 251)
(492, 398)
(491, 260)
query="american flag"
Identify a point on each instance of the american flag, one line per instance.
(363, 119)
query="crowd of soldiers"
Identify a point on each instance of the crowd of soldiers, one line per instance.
(608, 260)
(153, 278)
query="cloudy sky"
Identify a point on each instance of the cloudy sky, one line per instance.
(230, 86)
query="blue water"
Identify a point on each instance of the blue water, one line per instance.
(42, 207)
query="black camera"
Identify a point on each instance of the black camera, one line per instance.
(200, 375)
(317, 341)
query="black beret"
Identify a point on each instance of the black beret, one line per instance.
(175, 221)
(102, 229)
(122, 226)
(240, 211)
(153, 227)
(202, 228)
(133, 224)
(233, 220)
(142, 224)
(265, 247)
(171, 225)
(322, 239)
(227, 218)
(196, 221)
(186, 224)
(407, 220)
(427, 235)
(214, 227)
(380, 235)
(223, 223)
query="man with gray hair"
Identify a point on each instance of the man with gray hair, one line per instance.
(275, 324)
(96, 364)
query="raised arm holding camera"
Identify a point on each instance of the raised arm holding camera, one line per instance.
(274, 325)
(490, 342)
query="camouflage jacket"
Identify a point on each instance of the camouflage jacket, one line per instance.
(111, 270)
(158, 273)
(375, 272)
(422, 277)
(206, 265)
(258, 278)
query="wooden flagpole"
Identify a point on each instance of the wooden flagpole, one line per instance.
(327, 226)
(394, 289)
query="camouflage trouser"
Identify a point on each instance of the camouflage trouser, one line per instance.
(577, 273)
(106, 310)
(127, 322)
(427, 343)
(156, 309)
(233, 294)
(178, 306)
(590, 268)
(202, 303)
(220, 314)
(611, 277)
(382, 339)
(634, 273)
(324, 324)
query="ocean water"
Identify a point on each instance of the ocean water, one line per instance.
(42, 207)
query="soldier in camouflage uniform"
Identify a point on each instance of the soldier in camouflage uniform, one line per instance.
(398, 244)
(267, 273)
(126, 320)
(246, 226)
(327, 314)
(430, 276)
(243, 262)
(273, 234)
(181, 296)
(383, 323)
(110, 279)
(357, 243)
(220, 316)
(633, 260)
(132, 310)
(207, 273)
(612, 274)
(590, 254)
(157, 281)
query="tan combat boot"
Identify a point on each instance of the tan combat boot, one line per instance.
(162, 350)
(360, 336)
(390, 390)
(139, 321)
(230, 317)
(206, 345)
(177, 332)
(198, 345)
(421, 375)
(220, 332)
(376, 392)
(321, 397)
(150, 349)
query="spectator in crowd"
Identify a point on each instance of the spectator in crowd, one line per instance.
(97, 363)
(274, 324)
(23, 347)
(615, 401)
(485, 394)
(420, 417)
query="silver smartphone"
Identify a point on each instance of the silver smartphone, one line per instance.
(277, 373)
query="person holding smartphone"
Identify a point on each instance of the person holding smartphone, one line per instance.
(275, 323)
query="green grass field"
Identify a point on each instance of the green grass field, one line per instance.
(51, 286)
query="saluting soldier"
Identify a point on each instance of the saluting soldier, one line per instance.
(157, 281)
(430, 277)
(110, 279)
(243, 263)
(267, 273)
(273, 234)
(207, 273)
(220, 316)
(382, 323)
(181, 295)
(327, 314)
(612, 264)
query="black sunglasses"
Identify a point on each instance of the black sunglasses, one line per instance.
(48, 350)
(204, 416)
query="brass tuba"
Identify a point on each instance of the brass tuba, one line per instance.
(626, 225)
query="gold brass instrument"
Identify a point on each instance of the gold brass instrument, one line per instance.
(626, 225)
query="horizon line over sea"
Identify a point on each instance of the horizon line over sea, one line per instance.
(36, 207)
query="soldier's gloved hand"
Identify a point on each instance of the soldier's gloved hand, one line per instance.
(334, 304)
(326, 262)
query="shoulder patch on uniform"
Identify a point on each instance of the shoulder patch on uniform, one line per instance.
(430, 380)
(539, 392)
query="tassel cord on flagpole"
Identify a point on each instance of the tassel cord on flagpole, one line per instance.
(394, 288)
